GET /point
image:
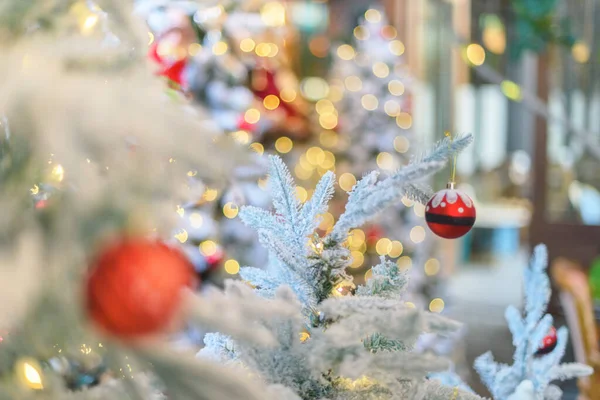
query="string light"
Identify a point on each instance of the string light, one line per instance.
(381, 70)
(196, 220)
(328, 121)
(336, 91)
(417, 234)
(252, 116)
(401, 144)
(385, 161)
(396, 87)
(319, 46)
(210, 194)
(35, 189)
(369, 102)
(383, 246)
(404, 263)
(208, 248)
(368, 274)
(58, 173)
(303, 173)
(356, 238)
(273, 14)
(271, 102)
(580, 52)
(410, 304)
(392, 108)
(404, 120)
(182, 236)
(436, 305)
(29, 372)
(353, 83)
(314, 88)
(347, 181)
(358, 259)
(373, 16)
(220, 48)
(262, 49)
(328, 138)
(273, 50)
(150, 38)
(180, 210)
(327, 222)
(194, 49)
(346, 52)
(396, 47)
(315, 155)
(288, 95)
(329, 161)
(301, 194)
(419, 210)
(247, 45)
(431, 267)
(231, 266)
(361, 33)
(230, 210)
(257, 148)
(397, 249)
(284, 145)
(511, 90)
(192, 173)
(389, 32)
(475, 54)
(324, 106)
(242, 137)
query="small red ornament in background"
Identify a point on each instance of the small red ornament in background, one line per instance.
(215, 259)
(135, 286)
(450, 213)
(548, 343)
(373, 233)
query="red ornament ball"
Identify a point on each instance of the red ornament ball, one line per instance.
(134, 287)
(450, 213)
(548, 343)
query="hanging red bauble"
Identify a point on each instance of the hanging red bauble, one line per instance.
(135, 287)
(373, 233)
(548, 343)
(450, 213)
(215, 259)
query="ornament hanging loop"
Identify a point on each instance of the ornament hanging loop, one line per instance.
(453, 171)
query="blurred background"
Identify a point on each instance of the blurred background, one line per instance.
(351, 86)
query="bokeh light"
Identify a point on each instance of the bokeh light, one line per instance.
(232, 267)
(436, 305)
(417, 234)
(347, 181)
(284, 145)
(475, 54)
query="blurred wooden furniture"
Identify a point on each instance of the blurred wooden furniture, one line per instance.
(576, 300)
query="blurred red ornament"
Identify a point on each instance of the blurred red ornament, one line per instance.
(244, 125)
(215, 259)
(172, 70)
(373, 234)
(264, 83)
(450, 213)
(548, 343)
(41, 204)
(135, 287)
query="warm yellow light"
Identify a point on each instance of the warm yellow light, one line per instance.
(35, 189)
(396, 250)
(230, 210)
(369, 102)
(328, 121)
(271, 102)
(407, 202)
(475, 54)
(410, 304)
(89, 23)
(419, 210)
(242, 137)
(58, 173)
(353, 83)
(347, 181)
(417, 234)
(361, 33)
(262, 49)
(381, 70)
(385, 161)
(404, 263)
(392, 108)
(336, 91)
(263, 183)
(150, 38)
(247, 45)
(346, 52)
(210, 194)
(30, 371)
(287, 94)
(314, 88)
(328, 138)
(273, 50)
(220, 48)
(304, 336)
(368, 274)
(329, 161)
(404, 120)
(180, 210)
(396, 47)
(432, 267)
(315, 155)
(511, 90)
(396, 87)
(232, 267)
(194, 49)
(252, 116)
(257, 148)
(324, 106)
(373, 16)
(284, 145)
(196, 220)
(357, 259)
(356, 238)
(303, 173)
(580, 52)
(208, 248)
(182, 236)
(436, 305)
(301, 194)
(494, 38)
(383, 246)
(327, 221)
(401, 144)
(273, 14)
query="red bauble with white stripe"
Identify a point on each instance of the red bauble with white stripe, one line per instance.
(450, 213)
(548, 343)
